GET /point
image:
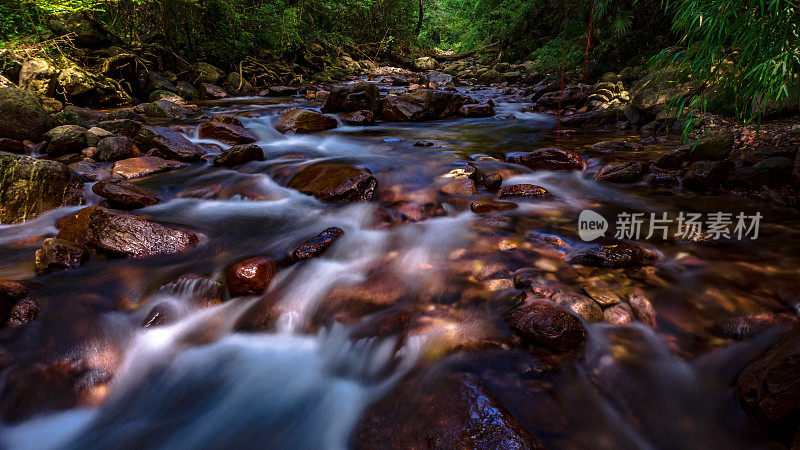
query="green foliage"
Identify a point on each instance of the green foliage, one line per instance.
(749, 50)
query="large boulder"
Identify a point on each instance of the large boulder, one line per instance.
(86, 32)
(425, 63)
(422, 104)
(712, 148)
(236, 84)
(30, 186)
(170, 143)
(167, 109)
(771, 386)
(75, 81)
(547, 159)
(704, 175)
(38, 76)
(353, 97)
(303, 120)
(23, 116)
(336, 182)
(118, 234)
(226, 133)
(68, 139)
(652, 94)
(156, 82)
(440, 79)
(206, 73)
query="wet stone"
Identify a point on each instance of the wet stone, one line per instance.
(143, 166)
(239, 154)
(579, 304)
(603, 297)
(317, 245)
(523, 191)
(226, 133)
(24, 312)
(618, 314)
(489, 206)
(545, 323)
(547, 159)
(252, 276)
(57, 254)
(125, 195)
(613, 254)
(336, 183)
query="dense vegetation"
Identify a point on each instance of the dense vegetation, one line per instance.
(749, 50)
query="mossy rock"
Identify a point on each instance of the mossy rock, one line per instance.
(23, 116)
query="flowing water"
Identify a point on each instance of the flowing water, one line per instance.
(215, 377)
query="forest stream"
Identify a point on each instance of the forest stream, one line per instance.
(398, 328)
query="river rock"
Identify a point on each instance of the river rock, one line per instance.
(38, 77)
(523, 191)
(547, 159)
(24, 312)
(421, 105)
(712, 148)
(30, 186)
(317, 245)
(211, 92)
(226, 133)
(629, 172)
(425, 63)
(239, 154)
(39, 388)
(545, 323)
(167, 109)
(363, 117)
(304, 120)
(85, 32)
(227, 118)
(613, 254)
(11, 292)
(440, 79)
(125, 195)
(353, 97)
(653, 92)
(252, 276)
(206, 73)
(336, 182)
(11, 146)
(23, 116)
(674, 159)
(440, 411)
(116, 148)
(67, 139)
(490, 206)
(580, 304)
(237, 85)
(118, 234)
(187, 91)
(704, 175)
(170, 143)
(57, 254)
(610, 147)
(770, 385)
(775, 171)
(143, 166)
(75, 81)
(618, 314)
(485, 110)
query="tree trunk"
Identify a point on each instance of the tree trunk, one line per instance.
(419, 19)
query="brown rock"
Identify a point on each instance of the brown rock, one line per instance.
(24, 312)
(364, 117)
(579, 304)
(771, 386)
(239, 154)
(317, 245)
(545, 323)
(57, 254)
(336, 182)
(440, 411)
(12, 146)
(125, 195)
(115, 148)
(458, 186)
(523, 191)
(613, 254)
(121, 127)
(170, 143)
(618, 314)
(485, 110)
(303, 120)
(114, 233)
(489, 206)
(226, 133)
(361, 96)
(422, 104)
(252, 276)
(12, 292)
(629, 172)
(143, 166)
(227, 118)
(609, 147)
(211, 92)
(547, 159)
